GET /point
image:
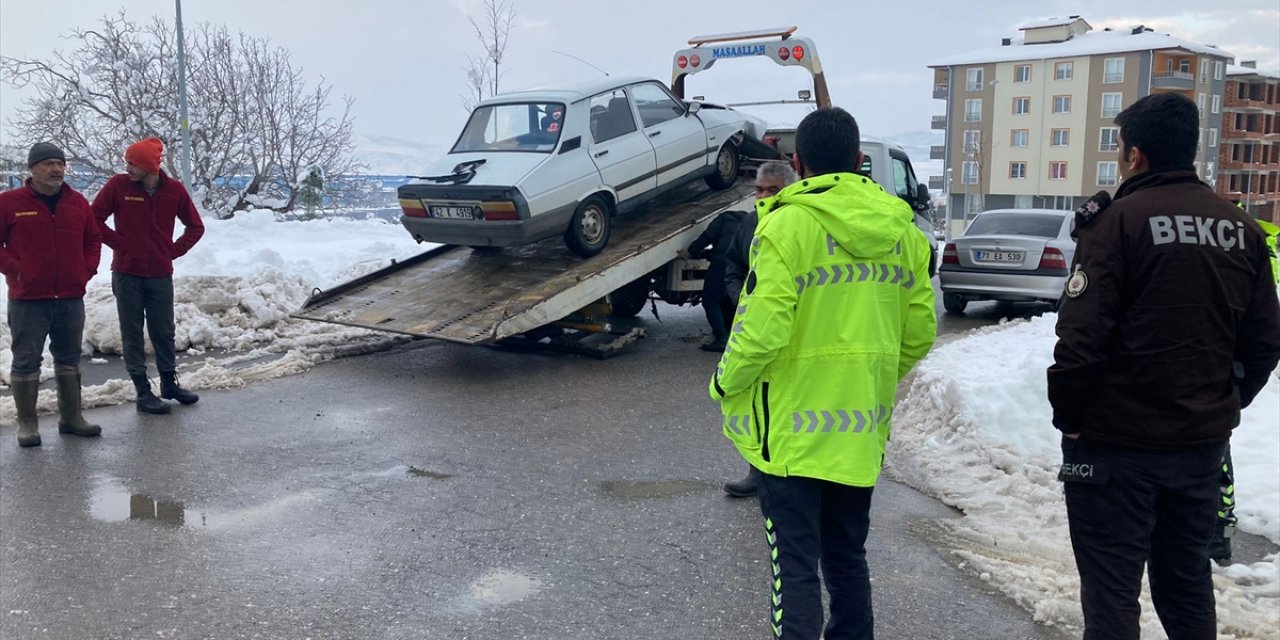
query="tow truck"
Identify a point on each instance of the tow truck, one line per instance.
(542, 296)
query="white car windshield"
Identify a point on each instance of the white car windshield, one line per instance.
(1014, 224)
(525, 126)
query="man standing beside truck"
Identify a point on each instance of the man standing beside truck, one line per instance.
(838, 307)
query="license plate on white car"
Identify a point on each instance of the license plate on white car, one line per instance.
(999, 256)
(452, 212)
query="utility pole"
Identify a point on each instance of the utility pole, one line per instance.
(185, 125)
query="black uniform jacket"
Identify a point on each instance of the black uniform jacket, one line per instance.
(1171, 323)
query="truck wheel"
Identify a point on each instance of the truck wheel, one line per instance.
(588, 231)
(631, 298)
(954, 302)
(726, 173)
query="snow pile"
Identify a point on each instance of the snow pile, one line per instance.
(234, 292)
(974, 430)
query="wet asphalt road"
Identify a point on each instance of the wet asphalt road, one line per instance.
(437, 491)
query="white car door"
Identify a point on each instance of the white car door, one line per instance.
(679, 139)
(621, 152)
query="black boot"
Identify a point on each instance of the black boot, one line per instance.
(147, 402)
(746, 487)
(717, 344)
(171, 390)
(1220, 546)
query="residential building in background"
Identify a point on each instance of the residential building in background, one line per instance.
(1249, 151)
(1030, 123)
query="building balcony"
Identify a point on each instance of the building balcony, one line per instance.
(1177, 80)
(937, 152)
(940, 92)
(938, 122)
(937, 183)
(1240, 104)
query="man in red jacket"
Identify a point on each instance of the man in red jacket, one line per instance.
(146, 202)
(49, 249)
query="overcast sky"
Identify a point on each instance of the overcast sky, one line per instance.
(402, 59)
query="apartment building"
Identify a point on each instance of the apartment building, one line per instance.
(1249, 151)
(1029, 123)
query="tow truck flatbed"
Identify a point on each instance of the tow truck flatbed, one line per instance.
(481, 297)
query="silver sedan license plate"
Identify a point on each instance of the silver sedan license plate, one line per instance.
(452, 212)
(998, 256)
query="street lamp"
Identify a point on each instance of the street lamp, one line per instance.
(184, 126)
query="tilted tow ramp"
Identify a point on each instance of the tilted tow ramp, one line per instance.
(482, 297)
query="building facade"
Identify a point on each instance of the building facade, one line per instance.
(1030, 123)
(1249, 152)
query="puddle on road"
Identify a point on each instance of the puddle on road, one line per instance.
(503, 587)
(111, 501)
(423, 473)
(650, 489)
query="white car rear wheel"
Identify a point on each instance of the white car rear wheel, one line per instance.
(588, 231)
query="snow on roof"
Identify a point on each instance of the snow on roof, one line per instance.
(1092, 43)
(1050, 22)
(1237, 70)
(569, 92)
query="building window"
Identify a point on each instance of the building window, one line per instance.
(1109, 139)
(1019, 137)
(1184, 65)
(1204, 71)
(973, 203)
(1111, 104)
(1113, 70)
(1022, 202)
(973, 79)
(1022, 73)
(1062, 104)
(1213, 137)
(1062, 70)
(973, 110)
(1017, 170)
(969, 173)
(1108, 174)
(1215, 103)
(1200, 104)
(972, 141)
(1057, 170)
(1217, 70)
(1060, 137)
(1021, 106)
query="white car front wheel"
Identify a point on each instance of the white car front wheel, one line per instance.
(726, 173)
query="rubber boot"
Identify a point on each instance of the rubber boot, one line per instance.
(26, 388)
(70, 419)
(746, 487)
(1220, 546)
(171, 390)
(147, 402)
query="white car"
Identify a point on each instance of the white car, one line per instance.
(1012, 255)
(531, 165)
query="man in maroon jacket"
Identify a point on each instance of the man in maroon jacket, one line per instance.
(49, 249)
(1170, 327)
(146, 203)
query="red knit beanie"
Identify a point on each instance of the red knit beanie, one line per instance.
(145, 154)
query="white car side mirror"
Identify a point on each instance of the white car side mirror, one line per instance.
(694, 107)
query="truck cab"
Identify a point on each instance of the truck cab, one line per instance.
(885, 162)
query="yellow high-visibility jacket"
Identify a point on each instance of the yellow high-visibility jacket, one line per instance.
(837, 309)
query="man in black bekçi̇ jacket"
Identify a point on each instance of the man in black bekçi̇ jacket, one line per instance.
(1170, 327)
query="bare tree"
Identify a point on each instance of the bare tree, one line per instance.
(257, 125)
(484, 72)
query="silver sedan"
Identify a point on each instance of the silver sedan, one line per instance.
(1012, 255)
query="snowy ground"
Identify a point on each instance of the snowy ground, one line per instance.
(233, 294)
(974, 430)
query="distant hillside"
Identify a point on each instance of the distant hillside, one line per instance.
(387, 156)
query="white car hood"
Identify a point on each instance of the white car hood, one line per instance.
(726, 117)
(499, 169)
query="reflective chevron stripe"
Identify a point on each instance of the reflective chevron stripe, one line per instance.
(740, 425)
(839, 420)
(775, 598)
(855, 272)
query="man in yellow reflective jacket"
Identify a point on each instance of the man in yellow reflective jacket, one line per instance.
(836, 310)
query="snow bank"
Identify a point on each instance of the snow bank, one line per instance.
(234, 292)
(974, 430)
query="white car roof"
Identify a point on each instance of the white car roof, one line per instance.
(569, 92)
(1047, 212)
